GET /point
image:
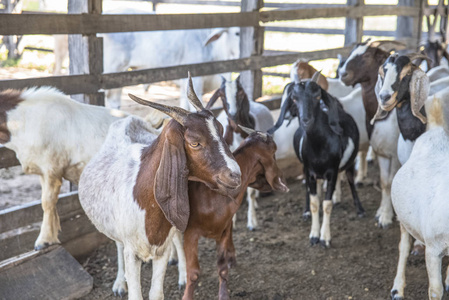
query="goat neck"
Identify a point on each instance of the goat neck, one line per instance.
(143, 191)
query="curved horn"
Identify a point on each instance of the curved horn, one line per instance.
(214, 98)
(176, 113)
(388, 45)
(193, 98)
(367, 41)
(246, 129)
(414, 56)
(316, 76)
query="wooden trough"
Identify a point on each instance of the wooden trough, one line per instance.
(49, 274)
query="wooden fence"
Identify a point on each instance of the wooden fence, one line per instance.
(19, 226)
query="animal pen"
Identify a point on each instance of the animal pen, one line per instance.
(19, 226)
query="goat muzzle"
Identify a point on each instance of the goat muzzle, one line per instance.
(229, 183)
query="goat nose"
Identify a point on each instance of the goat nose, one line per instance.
(235, 178)
(385, 97)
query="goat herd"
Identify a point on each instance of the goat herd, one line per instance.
(144, 186)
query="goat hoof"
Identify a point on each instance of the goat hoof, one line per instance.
(251, 228)
(41, 246)
(172, 262)
(325, 244)
(395, 295)
(121, 293)
(314, 240)
(418, 250)
(359, 184)
(335, 204)
(361, 214)
(306, 215)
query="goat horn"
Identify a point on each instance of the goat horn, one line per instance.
(246, 129)
(414, 56)
(193, 98)
(388, 45)
(176, 113)
(316, 76)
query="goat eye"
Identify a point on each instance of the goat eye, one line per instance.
(237, 33)
(318, 98)
(194, 145)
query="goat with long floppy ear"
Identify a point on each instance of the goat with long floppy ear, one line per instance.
(418, 86)
(332, 104)
(170, 185)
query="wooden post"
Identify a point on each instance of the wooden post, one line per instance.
(86, 52)
(251, 44)
(410, 27)
(354, 27)
(12, 41)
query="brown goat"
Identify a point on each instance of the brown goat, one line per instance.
(302, 70)
(362, 67)
(211, 213)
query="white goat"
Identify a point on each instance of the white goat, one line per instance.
(154, 49)
(54, 137)
(419, 196)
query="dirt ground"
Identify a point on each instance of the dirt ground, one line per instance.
(276, 262)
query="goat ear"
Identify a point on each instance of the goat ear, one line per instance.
(380, 114)
(170, 185)
(419, 89)
(261, 184)
(332, 113)
(285, 108)
(215, 35)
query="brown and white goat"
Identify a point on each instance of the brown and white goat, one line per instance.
(54, 137)
(211, 213)
(361, 67)
(135, 189)
(302, 70)
(238, 110)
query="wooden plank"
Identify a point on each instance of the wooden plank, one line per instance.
(354, 27)
(352, 12)
(16, 242)
(8, 158)
(114, 80)
(77, 84)
(326, 31)
(237, 3)
(251, 44)
(91, 24)
(50, 275)
(86, 52)
(74, 84)
(29, 213)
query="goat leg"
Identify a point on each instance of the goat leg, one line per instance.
(355, 196)
(51, 185)
(314, 208)
(397, 292)
(120, 288)
(193, 266)
(433, 265)
(325, 233)
(224, 258)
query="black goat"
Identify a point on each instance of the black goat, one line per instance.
(326, 142)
